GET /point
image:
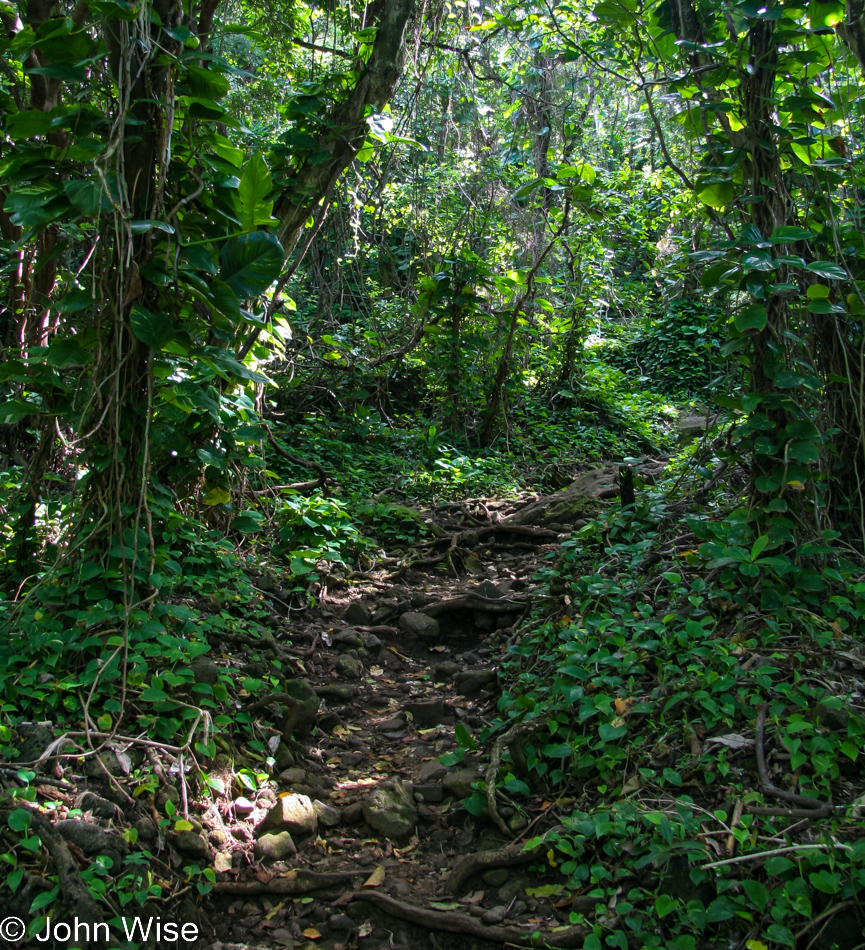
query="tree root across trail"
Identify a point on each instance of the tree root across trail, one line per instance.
(344, 824)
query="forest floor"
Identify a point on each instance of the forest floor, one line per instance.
(400, 659)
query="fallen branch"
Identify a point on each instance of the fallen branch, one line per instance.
(295, 882)
(757, 855)
(451, 922)
(323, 481)
(474, 863)
(815, 808)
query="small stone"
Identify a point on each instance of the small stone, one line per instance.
(832, 717)
(495, 877)
(432, 771)
(348, 639)
(518, 822)
(88, 801)
(243, 806)
(419, 625)
(340, 922)
(274, 847)
(31, 740)
(349, 667)
(340, 691)
(392, 724)
(459, 782)
(426, 714)
(391, 810)
(429, 794)
(353, 813)
(292, 776)
(167, 793)
(372, 642)
(192, 845)
(489, 590)
(205, 670)
(357, 613)
(470, 682)
(494, 916)
(292, 813)
(444, 671)
(329, 721)
(283, 758)
(146, 828)
(327, 815)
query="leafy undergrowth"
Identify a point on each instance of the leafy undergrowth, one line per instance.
(640, 696)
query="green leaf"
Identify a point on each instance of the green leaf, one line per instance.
(789, 234)
(248, 521)
(826, 269)
(14, 878)
(545, 890)
(757, 894)
(255, 186)
(557, 751)
(224, 300)
(753, 317)
(608, 732)
(20, 820)
(718, 194)
(153, 329)
(664, 904)
(153, 695)
(778, 865)
(475, 803)
(44, 899)
(758, 546)
(86, 197)
(25, 125)
(464, 737)
(250, 264)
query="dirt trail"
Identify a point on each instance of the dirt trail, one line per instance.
(397, 666)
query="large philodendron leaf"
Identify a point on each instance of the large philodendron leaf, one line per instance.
(250, 264)
(255, 186)
(153, 329)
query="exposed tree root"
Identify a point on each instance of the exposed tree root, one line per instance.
(295, 882)
(469, 864)
(512, 738)
(489, 605)
(74, 890)
(524, 530)
(452, 922)
(814, 808)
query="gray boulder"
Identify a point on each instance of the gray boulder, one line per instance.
(274, 847)
(292, 813)
(390, 809)
(419, 625)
